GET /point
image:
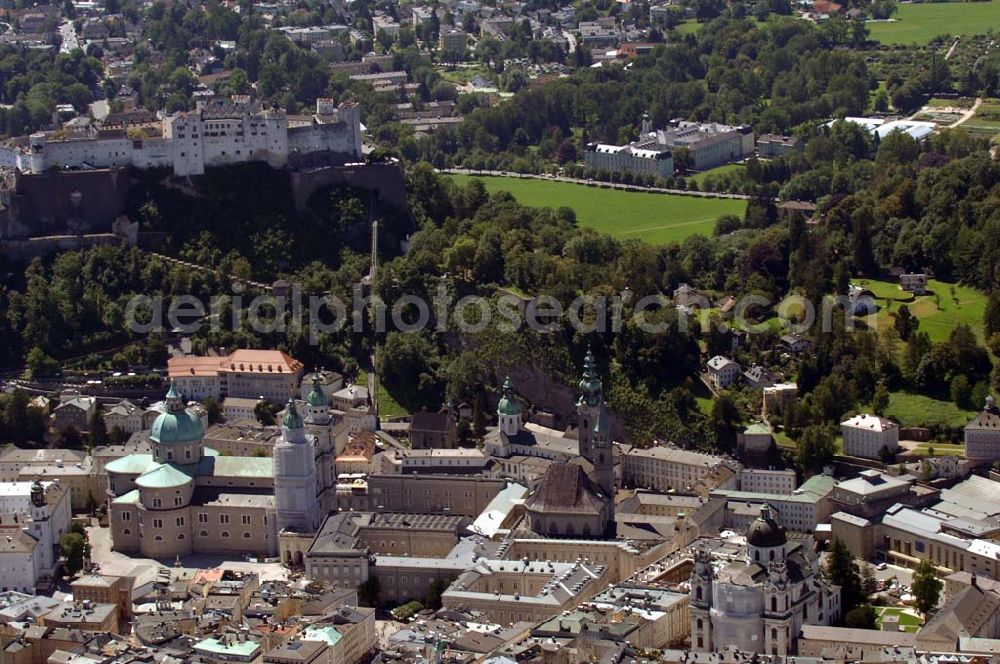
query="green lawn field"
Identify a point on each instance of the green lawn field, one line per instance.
(719, 170)
(920, 23)
(653, 218)
(688, 27)
(914, 410)
(939, 449)
(387, 406)
(939, 312)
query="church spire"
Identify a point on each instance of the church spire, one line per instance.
(317, 397)
(590, 384)
(174, 401)
(509, 409)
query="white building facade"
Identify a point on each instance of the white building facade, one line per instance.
(869, 436)
(216, 134)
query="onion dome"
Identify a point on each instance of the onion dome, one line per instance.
(508, 405)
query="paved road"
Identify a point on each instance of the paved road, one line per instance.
(594, 183)
(951, 50)
(69, 39)
(968, 115)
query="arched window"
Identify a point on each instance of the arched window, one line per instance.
(698, 593)
(126, 532)
(180, 536)
(203, 533)
(701, 624)
(569, 528)
(158, 538)
(586, 529)
(770, 555)
(225, 534)
(774, 604)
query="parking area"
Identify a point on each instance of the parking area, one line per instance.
(903, 575)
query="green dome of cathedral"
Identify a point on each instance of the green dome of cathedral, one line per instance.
(178, 424)
(508, 405)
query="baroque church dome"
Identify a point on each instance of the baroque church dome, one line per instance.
(178, 424)
(765, 532)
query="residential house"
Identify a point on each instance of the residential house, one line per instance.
(722, 371)
(352, 396)
(124, 415)
(758, 377)
(795, 343)
(915, 282)
(688, 296)
(74, 411)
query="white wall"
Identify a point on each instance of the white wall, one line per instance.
(20, 570)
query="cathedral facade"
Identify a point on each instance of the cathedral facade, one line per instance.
(570, 501)
(759, 603)
(185, 498)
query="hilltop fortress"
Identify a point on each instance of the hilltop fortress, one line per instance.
(75, 181)
(217, 133)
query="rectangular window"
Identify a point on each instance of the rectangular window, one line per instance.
(202, 517)
(157, 523)
(180, 521)
(126, 516)
(223, 519)
(246, 519)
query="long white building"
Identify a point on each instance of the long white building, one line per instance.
(217, 133)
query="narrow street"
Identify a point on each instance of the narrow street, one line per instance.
(69, 38)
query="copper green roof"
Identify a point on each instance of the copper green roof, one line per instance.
(133, 464)
(231, 647)
(601, 424)
(317, 398)
(166, 476)
(328, 633)
(292, 419)
(590, 384)
(173, 392)
(182, 426)
(509, 405)
(130, 498)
